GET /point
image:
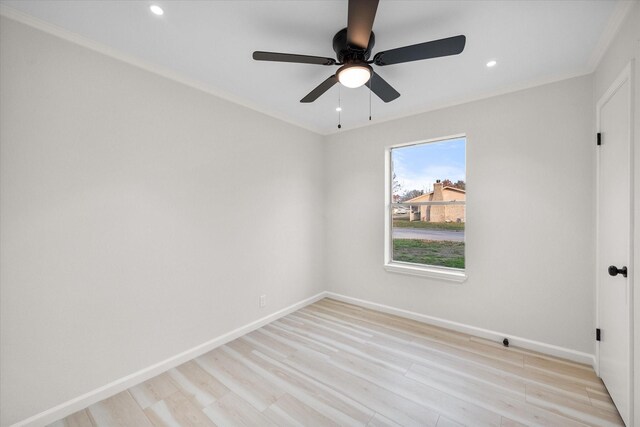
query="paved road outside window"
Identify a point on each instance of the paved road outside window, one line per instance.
(425, 234)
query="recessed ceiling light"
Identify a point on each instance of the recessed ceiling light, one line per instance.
(338, 109)
(491, 63)
(156, 10)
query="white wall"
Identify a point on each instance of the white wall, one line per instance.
(139, 218)
(530, 222)
(624, 48)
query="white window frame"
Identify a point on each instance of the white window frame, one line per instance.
(444, 273)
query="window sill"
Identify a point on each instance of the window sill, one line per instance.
(444, 273)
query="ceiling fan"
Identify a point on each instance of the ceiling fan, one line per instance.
(353, 47)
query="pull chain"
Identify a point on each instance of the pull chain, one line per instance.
(370, 90)
(339, 109)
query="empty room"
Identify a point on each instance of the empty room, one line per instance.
(255, 213)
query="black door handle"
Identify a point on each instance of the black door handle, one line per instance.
(614, 271)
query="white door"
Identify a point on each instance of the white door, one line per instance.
(614, 243)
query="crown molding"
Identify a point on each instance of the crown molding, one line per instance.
(622, 9)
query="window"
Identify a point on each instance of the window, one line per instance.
(426, 211)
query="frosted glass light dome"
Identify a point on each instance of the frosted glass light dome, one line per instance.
(353, 76)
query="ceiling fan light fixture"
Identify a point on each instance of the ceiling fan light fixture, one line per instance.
(354, 75)
(156, 10)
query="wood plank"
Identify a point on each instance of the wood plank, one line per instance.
(601, 400)
(346, 328)
(199, 386)
(233, 411)
(381, 421)
(290, 411)
(77, 419)
(240, 379)
(562, 370)
(120, 410)
(300, 343)
(153, 390)
(177, 411)
(332, 403)
(571, 408)
(282, 349)
(506, 422)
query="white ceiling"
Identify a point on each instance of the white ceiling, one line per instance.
(210, 43)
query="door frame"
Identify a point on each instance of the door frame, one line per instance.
(626, 75)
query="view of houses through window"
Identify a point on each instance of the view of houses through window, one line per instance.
(428, 192)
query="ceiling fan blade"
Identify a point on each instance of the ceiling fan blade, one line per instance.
(360, 22)
(320, 89)
(380, 87)
(291, 57)
(417, 52)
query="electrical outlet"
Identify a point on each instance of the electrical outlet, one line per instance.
(263, 301)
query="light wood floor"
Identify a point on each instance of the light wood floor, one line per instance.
(333, 363)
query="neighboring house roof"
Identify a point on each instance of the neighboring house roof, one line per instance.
(420, 198)
(459, 190)
(425, 197)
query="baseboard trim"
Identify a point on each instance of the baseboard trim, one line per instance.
(549, 349)
(69, 407)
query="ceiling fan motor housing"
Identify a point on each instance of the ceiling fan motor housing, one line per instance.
(346, 53)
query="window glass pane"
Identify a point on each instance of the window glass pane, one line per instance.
(431, 235)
